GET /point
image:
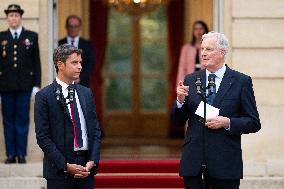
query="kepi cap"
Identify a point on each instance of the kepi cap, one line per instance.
(14, 8)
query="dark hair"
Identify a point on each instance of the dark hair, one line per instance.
(74, 17)
(62, 53)
(205, 27)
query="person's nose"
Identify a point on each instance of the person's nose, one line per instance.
(80, 66)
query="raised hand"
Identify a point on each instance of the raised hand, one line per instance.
(182, 91)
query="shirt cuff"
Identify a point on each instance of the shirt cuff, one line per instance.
(179, 105)
(228, 129)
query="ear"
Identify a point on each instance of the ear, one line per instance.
(60, 65)
(223, 52)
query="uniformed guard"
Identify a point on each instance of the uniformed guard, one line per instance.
(20, 79)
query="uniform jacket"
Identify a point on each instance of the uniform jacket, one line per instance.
(20, 68)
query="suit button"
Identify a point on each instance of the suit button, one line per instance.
(15, 58)
(15, 65)
(15, 52)
(0, 73)
(15, 46)
(31, 73)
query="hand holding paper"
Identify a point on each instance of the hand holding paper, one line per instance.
(211, 111)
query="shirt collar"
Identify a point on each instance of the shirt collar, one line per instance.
(62, 84)
(18, 30)
(219, 73)
(76, 39)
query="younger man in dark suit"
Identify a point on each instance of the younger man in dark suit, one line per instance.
(20, 78)
(73, 26)
(80, 141)
(217, 146)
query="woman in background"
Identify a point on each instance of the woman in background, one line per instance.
(189, 60)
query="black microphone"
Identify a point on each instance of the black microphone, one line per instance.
(71, 93)
(58, 94)
(211, 83)
(198, 85)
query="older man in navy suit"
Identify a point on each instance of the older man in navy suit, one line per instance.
(67, 128)
(216, 148)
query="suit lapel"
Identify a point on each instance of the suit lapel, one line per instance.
(22, 35)
(79, 43)
(203, 79)
(55, 87)
(9, 35)
(225, 85)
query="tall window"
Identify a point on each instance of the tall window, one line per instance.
(153, 63)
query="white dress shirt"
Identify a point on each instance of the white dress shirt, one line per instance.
(219, 76)
(75, 39)
(18, 30)
(81, 115)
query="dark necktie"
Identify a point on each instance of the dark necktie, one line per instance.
(76, 124)
(72, 42)
(15, 35)
(210, 98)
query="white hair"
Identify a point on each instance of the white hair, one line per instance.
(222, 41)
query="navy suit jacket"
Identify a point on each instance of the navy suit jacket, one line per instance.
(223, 153)
(88, 59)
(49, 127)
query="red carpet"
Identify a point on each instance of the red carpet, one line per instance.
(138, 174)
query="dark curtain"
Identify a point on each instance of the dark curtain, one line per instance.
(175, 18)
(98, 36)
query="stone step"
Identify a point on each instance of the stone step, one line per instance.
(29, 176)
(21, 170)
(22, 183)
(40, 183)
(262, 183)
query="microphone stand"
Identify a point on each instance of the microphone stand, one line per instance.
(201, 91)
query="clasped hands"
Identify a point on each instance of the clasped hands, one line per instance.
(212, 123)
(80, 171)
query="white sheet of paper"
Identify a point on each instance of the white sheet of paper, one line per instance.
(211, 111)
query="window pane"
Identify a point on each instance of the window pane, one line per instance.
(118, 94)
(154, 94)
(118, 63)
(154, 58)
(118, 25)
(118, 58)
(154, 25)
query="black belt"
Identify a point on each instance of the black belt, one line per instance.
(81, 153)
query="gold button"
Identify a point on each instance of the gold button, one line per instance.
(15, 58)
(15, 46)
(15, 65)
(15, 52)
(4, 54)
